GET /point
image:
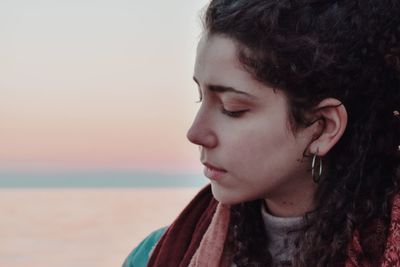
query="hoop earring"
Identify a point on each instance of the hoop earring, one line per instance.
(316, 178)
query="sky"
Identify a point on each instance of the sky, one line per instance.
(98, 84)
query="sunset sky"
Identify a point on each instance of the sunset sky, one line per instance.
(98, 84)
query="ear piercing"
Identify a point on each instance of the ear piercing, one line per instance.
(316, 177)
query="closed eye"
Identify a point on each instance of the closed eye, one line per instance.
(233, 114)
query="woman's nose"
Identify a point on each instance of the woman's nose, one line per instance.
(201, 132)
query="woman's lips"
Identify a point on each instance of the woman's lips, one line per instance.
(212, 172)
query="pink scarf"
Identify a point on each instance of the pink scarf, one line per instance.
(210, 251)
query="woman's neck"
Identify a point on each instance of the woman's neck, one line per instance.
(294, 203)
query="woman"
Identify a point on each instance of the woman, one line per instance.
(299, 132)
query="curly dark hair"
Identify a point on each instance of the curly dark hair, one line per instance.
(312, 50)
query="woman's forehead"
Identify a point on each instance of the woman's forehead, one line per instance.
(217, 63)
(217, 50)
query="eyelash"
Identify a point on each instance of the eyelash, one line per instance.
(232, 114)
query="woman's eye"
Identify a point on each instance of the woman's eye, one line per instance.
(234, 114)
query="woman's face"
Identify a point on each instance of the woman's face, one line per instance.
(242, 127)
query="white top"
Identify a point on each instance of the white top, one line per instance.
(281, 233)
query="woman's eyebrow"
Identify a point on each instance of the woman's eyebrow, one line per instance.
(223, 89)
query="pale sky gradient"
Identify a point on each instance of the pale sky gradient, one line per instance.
(98, 84)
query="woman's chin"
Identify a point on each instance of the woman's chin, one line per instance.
(226, 197)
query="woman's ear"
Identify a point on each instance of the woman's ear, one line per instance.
(332, 123)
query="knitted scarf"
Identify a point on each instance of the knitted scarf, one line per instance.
(196, 238)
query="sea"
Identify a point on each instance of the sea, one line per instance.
(86, 219)
(99, 179)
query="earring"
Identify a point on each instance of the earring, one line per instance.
(316, 178)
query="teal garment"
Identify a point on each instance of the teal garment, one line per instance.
(141, 254)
